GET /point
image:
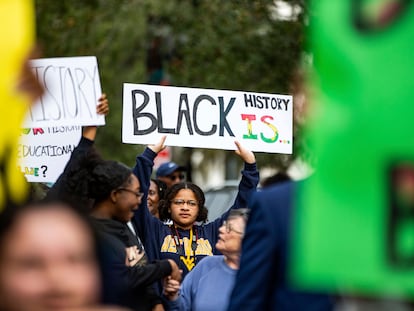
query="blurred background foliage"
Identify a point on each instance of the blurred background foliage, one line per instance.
(235, 45)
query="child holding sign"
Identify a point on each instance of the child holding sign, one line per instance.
(185, 241)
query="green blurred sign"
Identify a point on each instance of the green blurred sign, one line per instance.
(354, 218)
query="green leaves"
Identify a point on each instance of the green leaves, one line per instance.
(236, 45)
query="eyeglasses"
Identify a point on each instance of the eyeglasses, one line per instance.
(175, 177)
(138, 194)
(230, 228)
(190, 203)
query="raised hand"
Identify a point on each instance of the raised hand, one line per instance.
(103, 105)
(246, 155)
(102, 108)
(159, 146)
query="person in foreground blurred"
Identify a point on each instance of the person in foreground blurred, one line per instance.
(116, 194)
(275, 179)
(214, 276)
(261, 282)
(110, 193)
(48, 260)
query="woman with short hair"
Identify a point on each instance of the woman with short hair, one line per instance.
(200, 290)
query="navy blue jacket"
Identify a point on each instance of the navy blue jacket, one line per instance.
(261, 282)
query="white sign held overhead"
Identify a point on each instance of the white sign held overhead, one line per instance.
(207, 118)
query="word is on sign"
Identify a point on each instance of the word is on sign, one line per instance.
(207, 118)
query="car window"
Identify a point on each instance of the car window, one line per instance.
(219, 201)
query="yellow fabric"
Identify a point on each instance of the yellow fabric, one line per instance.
(17, 24)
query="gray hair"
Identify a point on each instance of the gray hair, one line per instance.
(240, 212)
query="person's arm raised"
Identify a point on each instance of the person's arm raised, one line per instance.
(250, 176)
(79, 155)
(246, 155)
(159, 146)
(247, 186)
(147, 225)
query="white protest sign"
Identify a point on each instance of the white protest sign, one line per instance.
(207, 118)
(72, 88)
(44, 152)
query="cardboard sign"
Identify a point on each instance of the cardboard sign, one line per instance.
(44, 152)
(206, 118)
(72, 89)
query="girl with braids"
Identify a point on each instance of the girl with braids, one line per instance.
(188, 239)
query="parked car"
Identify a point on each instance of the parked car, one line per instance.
(220, 199)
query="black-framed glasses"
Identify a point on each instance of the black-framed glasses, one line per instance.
(175, 177)
(138, 194)
(229, 228)
(191, 203)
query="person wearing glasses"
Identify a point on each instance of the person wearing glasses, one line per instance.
(170, 173)
(111, 193)
(200, 290)
(187, 239)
